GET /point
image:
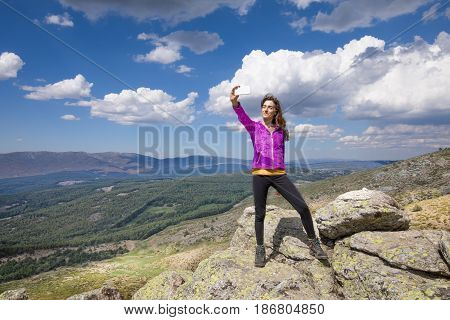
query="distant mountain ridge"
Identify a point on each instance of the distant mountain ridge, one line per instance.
(22, 164)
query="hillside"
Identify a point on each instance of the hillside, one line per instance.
(131, 165)
(419, 184)
(22, 164)
(85, 215)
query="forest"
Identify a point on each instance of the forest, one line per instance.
(77, 215)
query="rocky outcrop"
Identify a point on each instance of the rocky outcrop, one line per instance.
(106, 292)
(290, 273)
(374, 262)
(230, 274)
(370, 265)
(17, 294)
(360, 210)
(415, 250)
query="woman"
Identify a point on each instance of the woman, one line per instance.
(268, 169)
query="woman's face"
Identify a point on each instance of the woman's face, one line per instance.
(268, 110)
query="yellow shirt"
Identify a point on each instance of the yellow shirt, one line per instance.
(268, 172)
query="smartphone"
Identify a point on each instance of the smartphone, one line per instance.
(242, 90)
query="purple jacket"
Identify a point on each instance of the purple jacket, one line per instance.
(268, 148)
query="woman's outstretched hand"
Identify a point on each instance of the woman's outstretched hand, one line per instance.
(233, 97)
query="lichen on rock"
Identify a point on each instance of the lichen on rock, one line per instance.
(360, 210)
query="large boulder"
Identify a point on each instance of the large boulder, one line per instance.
(391, 265)
(360, 210)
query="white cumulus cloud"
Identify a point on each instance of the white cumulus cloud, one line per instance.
(62, 20)
(147, 36)
(69, 117)
(183, 69)
(363, 78)
(10, 63)
(168, 48)
(142, 106)
(75, 88)
(163, 54)
(415, 85)
(293, 76)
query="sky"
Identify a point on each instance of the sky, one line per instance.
(357, 79)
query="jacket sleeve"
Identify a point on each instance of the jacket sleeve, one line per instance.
(248, 123)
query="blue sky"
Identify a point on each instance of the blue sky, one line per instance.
(66, 66)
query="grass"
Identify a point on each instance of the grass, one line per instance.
(127, 272)
(435, 213)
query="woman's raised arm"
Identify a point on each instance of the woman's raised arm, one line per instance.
(243, 117)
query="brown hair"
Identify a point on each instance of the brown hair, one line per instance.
(278, 118)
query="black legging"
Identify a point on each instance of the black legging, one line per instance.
(287, 189)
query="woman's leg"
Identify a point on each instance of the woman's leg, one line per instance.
(261, 186)
(288, 190)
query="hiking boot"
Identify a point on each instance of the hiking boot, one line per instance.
(316, 250)
(260, 256)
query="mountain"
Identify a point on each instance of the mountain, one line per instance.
(22, 164)
(19, 164)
